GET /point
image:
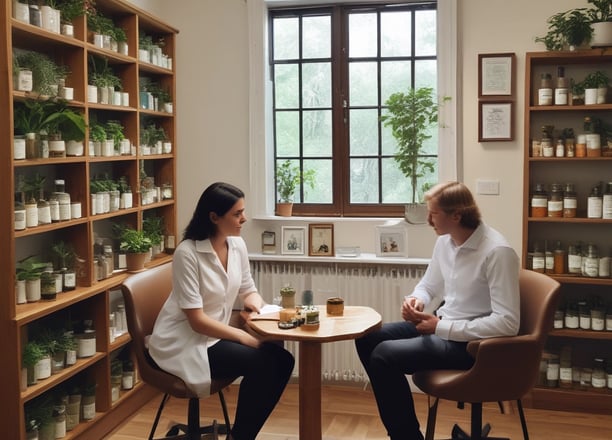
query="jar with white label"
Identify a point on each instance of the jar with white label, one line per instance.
(598, 376)
(86, 341)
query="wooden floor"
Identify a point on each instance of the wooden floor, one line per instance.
(349, 412)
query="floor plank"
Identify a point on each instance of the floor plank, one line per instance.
(349, 412)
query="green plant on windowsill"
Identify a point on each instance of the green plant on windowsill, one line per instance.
(289, 177)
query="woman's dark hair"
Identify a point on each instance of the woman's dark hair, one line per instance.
(218, 198)
(454, 197)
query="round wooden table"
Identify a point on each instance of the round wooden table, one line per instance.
(355, 322)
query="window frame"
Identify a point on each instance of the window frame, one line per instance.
(261, 142)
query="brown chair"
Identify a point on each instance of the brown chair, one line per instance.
(144, 294)
(505, 368)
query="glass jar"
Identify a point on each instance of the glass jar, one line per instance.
(584, 315)
(609, 319)
(86, 341)
(598, 317)
(538, 263)
(585, 378)
(552, 371)
(574, 259)
(127, 380)
(558, 319)
(59, 419)
(560, 148)
(581, 145)
(539, 201)
(570, 202)
(571, 316)
(562, 87)
(606, 211)
(287, 294)
(71, 353)
(591, 261)
(112, 328)
(598, 376)
(110, 259)
(604, 264)
(565, 367)
(594, 203)
(570, 147)
(555, 201)
(559, 266)
(121, 319)
(47, 285)
(545, 91)
(549, 261)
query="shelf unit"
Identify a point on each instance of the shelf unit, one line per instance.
(584, 172)
(93, 298)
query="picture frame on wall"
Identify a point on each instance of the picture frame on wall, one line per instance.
(391, 241)
(268, 242)
(496, 75)
(293, 240)
(321, 239)
(495, 121)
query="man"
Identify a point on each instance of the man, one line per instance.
(475, 272)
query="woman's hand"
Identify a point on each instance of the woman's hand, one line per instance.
(253, 302)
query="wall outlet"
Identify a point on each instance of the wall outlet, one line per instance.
(488, 187)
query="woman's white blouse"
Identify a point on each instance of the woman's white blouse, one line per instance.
(199, 281)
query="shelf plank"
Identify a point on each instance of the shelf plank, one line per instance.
(561, 399)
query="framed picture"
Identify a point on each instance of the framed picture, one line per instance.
(496, 74)
(321, 239)
(268, 242)
(495, 121)
(391, 241)
(293, 240)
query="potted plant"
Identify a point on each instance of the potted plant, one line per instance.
(595, 87)
(600, 15)
(569, 29)
(46, 74)
(411, 116)
(69, 11)
(153, 227)
(136, 244)
(32, 353)
(30, 269)
(288, 178)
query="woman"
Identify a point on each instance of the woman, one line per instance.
(192, 338)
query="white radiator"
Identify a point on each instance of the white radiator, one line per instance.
(380, 286)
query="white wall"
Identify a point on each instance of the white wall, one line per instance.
(212, 106)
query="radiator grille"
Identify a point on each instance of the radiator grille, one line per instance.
(380, 286)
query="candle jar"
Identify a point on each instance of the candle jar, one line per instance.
(287, 297)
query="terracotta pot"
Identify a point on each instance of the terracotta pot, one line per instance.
(284, 209)
(135, 261)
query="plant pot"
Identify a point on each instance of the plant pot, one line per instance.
(19, 148)
(135, 261)
(602, 34)
(68, 30)
(43, 368)
(20, 291)
(92, 94)
(33, 290)
(602, 93)
(284, 209)
(24, 80)
(75, 148)
(590, 96)
(21, 12)
(416, 213)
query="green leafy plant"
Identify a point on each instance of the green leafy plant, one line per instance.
(30, 268)
(100, 74)
(52, 116)
(64, 255)
(97, 132)
(601, 10)
(411, 116)
(289, 177)
(595, 79)
(116, 367)
(153, 227)
(134, 241)
(114, 131)
(32, 353)
(70, 9)
(569, 28)
(45, 72)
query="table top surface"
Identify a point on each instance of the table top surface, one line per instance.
(356, 321)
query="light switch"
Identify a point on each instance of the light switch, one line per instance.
(488, 187)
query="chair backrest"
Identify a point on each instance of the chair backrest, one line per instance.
(144, 294)
(539, 298)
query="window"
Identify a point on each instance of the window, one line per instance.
(332, 69)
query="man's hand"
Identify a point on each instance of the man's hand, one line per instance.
(412, 311)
